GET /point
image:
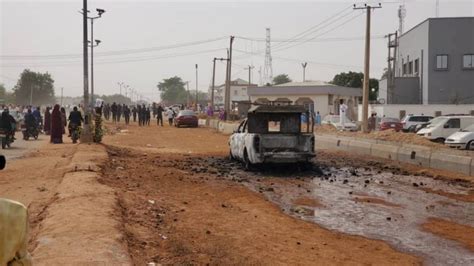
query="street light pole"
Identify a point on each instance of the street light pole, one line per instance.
(213, 83)
(304, 70)
(86, 136)
(196, 87)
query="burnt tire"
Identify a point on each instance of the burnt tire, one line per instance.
(248, 166)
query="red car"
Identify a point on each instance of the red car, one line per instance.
(186, 118)
(391, 123)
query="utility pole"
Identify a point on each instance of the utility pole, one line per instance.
(228, 80)
(249, 68)
(120, 86)
(392, 52)
(304, 70)
(86, 136)
(365, 89)
(213, 82)
(196, 105)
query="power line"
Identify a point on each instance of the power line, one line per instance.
(110, 53)
(69, 63)
(335, 39)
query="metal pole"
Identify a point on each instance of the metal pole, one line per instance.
(304, 70)
(196, 87)
(365, 90)
(229, 77)
(213, 83)
(92, 62)
(86, 136)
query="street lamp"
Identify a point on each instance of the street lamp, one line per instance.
(99, 15)
(196, 105)
(91, 45)
(120, 85)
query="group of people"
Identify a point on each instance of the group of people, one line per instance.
(140, 113)
(52, 123)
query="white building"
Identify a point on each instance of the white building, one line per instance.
(238, 92)
(316, 95)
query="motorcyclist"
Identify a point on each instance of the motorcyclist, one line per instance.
(37, 114)
(7, 123)
(75, 118)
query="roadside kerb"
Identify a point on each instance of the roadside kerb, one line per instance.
(415, 154)
(359, 147)
(385, 151)
(456, 163)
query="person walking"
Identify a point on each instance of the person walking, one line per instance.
(114, 112)
(63, 119)
(147, 116)
(342, 112)
(56, 126)
(139, 113)
(134, 112)
(318, 118)
(159, 115)
(119, 112)
(126, 114)
(170, 115)
(47, 121)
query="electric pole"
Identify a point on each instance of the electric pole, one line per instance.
(228, 80)
(392, 53)
(213, 82)
(86, 136)
(304, 70)
(249, 68)
(365, 89)
(196, 105)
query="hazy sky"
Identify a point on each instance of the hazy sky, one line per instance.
(52, 30)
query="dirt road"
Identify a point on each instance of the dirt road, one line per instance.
(180, 200)
(184, 201)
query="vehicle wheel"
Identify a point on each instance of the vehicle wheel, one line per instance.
(247, 164)
(440, 140)
(231, 156)
(469, 145)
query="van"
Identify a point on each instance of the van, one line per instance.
(411, 121)
(443, 126)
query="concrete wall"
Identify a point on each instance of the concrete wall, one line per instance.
(454, 37)
(407, 91)
(393, 110)
(413, 45)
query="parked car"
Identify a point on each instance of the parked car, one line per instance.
(391, 123)
(463, 139)
(411, 121)
(419, 127)
(272, 134)
(186, 118)
(335, 121)
(440, 128)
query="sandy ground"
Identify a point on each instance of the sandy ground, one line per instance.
(175, 216)
(149, 201)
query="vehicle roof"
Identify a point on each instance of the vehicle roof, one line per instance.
(277, 109)
(457, 116)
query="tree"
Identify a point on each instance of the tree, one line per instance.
(36, 86)
(281, 79)
(172, 90)
(355, 80)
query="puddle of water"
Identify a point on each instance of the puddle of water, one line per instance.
(399, 226)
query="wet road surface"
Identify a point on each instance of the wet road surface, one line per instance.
(365, 201)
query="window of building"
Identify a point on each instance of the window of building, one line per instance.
(410, 68)
(236, 93)
(417, 66)
(442, 61)
(468, 61)
(404, 70)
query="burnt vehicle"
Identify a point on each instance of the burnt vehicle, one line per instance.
(273, 134)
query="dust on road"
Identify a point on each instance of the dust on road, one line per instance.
(192, 183)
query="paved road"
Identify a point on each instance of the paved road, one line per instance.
(20, 147)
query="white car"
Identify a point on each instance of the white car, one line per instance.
(440, 128)
(335, 121)
(463, 139)
(411, 121)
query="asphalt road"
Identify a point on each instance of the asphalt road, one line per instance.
(20, 147)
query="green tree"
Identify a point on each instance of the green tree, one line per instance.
(355, 80)
(281, 79)
(172, 90)
(37, 86)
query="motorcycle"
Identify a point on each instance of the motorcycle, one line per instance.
(75, 132)
(6, 138)
(28, 132)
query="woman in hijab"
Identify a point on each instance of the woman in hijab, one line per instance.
(56, 126)
(47, 121)
(63, 119)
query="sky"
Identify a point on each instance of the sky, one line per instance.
(144, 42)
